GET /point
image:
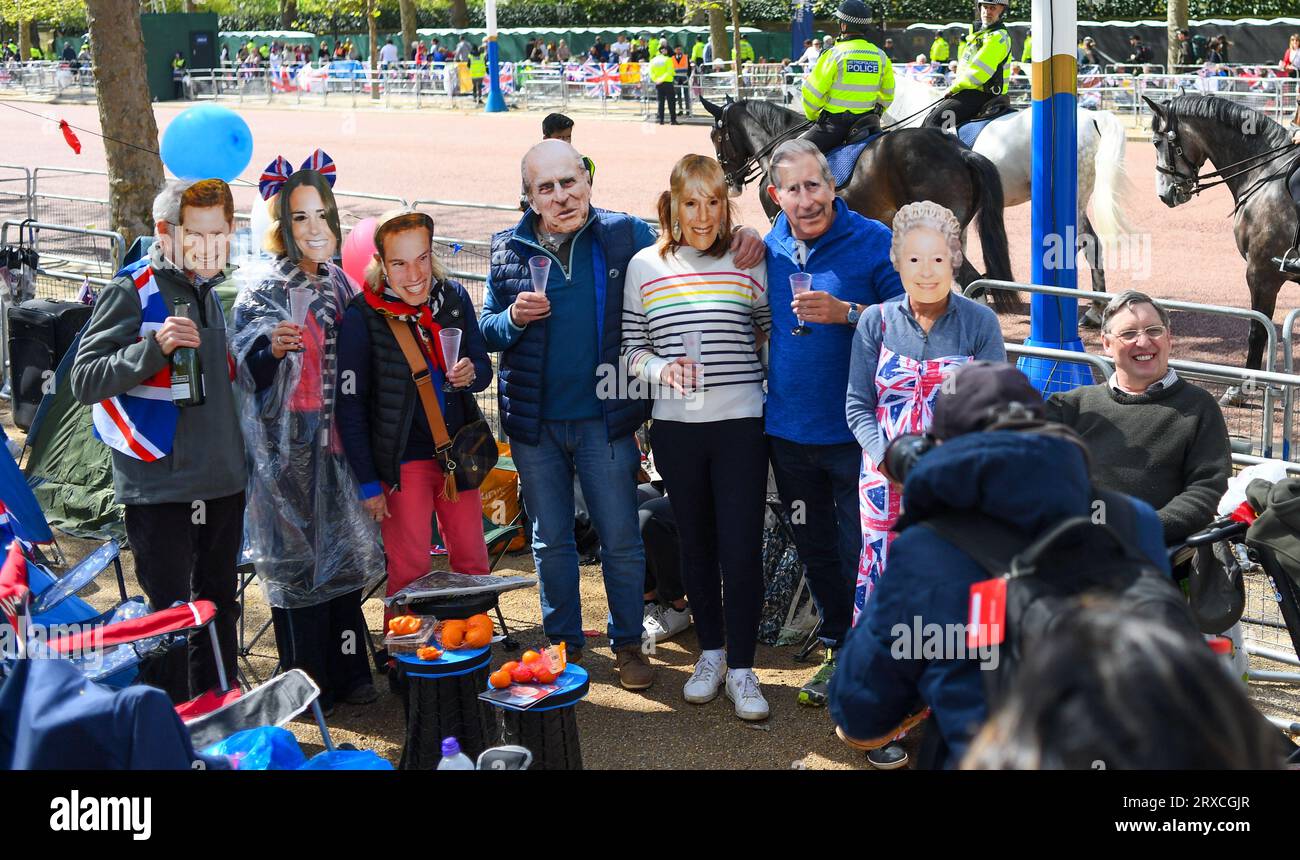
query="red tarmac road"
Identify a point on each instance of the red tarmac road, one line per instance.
(1185, 253)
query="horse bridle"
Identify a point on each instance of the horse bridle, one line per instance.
(751, 167)
(1194, 183)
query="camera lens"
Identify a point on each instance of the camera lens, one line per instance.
(902, 454)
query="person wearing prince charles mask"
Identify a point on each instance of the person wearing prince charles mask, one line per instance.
(314, 548)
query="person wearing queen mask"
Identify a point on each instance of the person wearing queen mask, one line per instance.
(902, 352)
(314, 548)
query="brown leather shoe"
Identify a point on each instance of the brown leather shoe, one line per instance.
(634, 669)
(573, 655)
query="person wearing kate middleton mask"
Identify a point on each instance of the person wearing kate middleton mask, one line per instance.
(314, 549)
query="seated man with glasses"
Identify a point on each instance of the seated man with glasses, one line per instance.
(1152, 435)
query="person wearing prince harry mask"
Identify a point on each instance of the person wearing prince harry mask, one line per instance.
(178, 471)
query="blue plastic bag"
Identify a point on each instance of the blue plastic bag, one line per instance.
(263, 748)
(348, 760)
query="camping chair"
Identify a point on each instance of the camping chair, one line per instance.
(108, 644)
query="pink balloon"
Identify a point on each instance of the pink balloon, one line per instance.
(359, 249)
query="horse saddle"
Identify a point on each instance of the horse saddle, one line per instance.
(995, 108)
(842, 159)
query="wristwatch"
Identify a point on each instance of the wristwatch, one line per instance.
(854, 313)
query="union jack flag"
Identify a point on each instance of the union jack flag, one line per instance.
(905, 393)
(506, 77)
(601, 79)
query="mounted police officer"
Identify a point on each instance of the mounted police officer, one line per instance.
(981, 70)
(850, 86)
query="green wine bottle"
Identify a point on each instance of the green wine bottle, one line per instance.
(187, 370)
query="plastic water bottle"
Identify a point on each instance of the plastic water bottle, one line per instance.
(452, 757)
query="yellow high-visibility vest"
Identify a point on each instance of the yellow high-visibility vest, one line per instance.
(854, 76)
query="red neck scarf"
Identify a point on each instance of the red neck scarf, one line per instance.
(390, 306)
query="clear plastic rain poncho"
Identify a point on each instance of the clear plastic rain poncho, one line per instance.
(304, 526)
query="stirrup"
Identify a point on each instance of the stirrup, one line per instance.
(1286, 258)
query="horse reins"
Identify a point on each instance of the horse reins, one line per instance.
(1194, 184)
(751, 167)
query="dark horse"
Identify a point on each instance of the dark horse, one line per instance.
(903, 166)
(1251, 154)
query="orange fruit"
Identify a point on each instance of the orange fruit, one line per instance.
(477, 637)
(403, 625)
(480, 620)
(428, 652)
(453, 633)
(530, 657)
(544, 676)
(509, 665)
(499, 679)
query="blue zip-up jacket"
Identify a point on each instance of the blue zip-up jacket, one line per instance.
(808, 376)
(531, 359)
(1029, 481)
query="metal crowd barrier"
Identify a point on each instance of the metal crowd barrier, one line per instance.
(14, 203)
(116, 246)
(1266, 378)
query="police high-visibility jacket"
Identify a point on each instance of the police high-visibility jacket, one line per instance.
(854, 76)
(984, 55)
(1027, 52)
(939, 50)
(477, 66)
(697, 52)
(661, 70)
(746, 52)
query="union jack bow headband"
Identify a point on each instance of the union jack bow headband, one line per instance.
(278, 172)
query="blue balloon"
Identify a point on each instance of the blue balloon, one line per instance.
(206, 142)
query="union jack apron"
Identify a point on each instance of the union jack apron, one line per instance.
(905, 393)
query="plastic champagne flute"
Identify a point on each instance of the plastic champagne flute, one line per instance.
(800, 282)
(691, 345)
(450, 338)
(539, 268)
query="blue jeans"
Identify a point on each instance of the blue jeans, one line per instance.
(607, 472)
(828, 535)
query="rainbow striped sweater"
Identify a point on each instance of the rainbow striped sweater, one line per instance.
(689, 291)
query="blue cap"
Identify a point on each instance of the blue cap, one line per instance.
(450, 747)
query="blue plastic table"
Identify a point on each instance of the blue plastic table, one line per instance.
(441, 699)
(549, 729)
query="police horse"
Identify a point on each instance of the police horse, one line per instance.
(1007, 139)
(896, 168)
(1251, 155)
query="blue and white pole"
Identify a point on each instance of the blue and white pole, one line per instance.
(1053, 321)
(496, 101)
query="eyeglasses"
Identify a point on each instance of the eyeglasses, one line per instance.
(1152, 331)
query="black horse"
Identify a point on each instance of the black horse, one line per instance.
(1251, 154)
(904, 166)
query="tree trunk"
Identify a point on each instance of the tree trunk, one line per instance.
(373, 29)
(407, 9)
(135, 171)
(718, 30)
(459, 14)
(288, 13)
(24, 41)
(735, 50)
(1176, 20)
(191, 7)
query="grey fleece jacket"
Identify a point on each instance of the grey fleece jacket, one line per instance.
(207, 459)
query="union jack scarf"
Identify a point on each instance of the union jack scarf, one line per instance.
(141, 423)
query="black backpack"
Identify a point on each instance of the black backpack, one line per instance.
(1046, 572)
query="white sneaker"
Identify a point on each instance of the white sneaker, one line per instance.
(705, 680)
(662, 622)
(743, 689)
